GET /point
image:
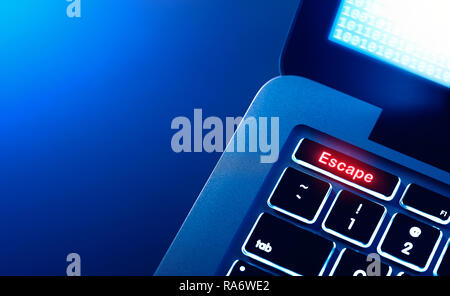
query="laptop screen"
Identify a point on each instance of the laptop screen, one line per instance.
(394, 54)
(410, 34)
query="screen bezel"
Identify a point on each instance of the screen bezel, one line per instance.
(308, 52)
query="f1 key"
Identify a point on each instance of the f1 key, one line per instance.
(426, 203)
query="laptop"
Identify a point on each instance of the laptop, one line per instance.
(361, 183)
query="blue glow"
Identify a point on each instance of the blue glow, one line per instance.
(276, 266)
(344, 237)
(421, 213)
(297, 216)
(410, 34)
(407, 264)
(85, 112)
(438, 264)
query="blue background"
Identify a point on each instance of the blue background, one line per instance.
(85, 110)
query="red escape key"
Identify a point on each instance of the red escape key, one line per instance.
(346, 169)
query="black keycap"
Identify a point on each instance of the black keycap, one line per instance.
(443, 266)
(427, 203)
(299, 195)
(286, 247)
(354, 218)
(409, 242)
(351, 263)
(346, 169)
(241, 268)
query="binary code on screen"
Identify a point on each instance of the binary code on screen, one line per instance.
(411, 34)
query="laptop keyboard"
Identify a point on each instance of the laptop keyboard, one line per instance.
(277, 243)
(242, 268)
(299, 195)
(346, 169)
(354, 218)
(286, 247)
(443, 266)
(353, 263)
(435, 207)
(410, 242)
